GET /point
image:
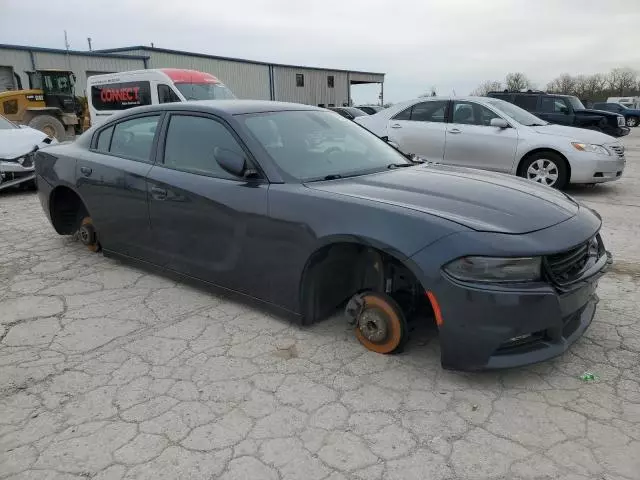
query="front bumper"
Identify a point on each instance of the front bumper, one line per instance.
(594, 168)
(12, 173)
(619, 131)
(489, 328)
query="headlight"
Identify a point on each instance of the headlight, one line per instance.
(589, 147)
(495, 270)
(20, 160)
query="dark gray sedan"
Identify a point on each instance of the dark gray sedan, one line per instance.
(304, 211)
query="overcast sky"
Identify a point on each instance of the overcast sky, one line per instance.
(451, 44)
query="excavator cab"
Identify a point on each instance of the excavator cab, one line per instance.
(49, 104)
(57, 88)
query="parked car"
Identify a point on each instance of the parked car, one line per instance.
(18, 144)
(491, 134)
(629, 102)
(631, 116)
(235, 194)
(566, 110)
(370, 109)
(348, 112)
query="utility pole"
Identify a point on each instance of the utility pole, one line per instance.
(66, 47)
(89, 42)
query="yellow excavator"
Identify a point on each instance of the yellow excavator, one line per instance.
(48, 105)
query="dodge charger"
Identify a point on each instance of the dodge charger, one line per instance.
(306, 212)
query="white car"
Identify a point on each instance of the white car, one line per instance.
(18, 144)
(492, 134)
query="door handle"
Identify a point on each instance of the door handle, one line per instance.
(455, 130)
(158, 193)
(86, 171)
(395, 125)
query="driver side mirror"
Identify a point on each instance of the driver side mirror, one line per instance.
(499, 123)
(564, 110)
(233, 163)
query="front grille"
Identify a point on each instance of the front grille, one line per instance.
(565, 267)
(618, 150)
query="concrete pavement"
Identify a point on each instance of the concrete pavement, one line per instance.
(109, 372)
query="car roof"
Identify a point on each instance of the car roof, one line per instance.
(229, 107)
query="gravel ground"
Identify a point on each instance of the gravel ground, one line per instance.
(109, 372)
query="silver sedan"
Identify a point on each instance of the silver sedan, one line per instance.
(492, 134)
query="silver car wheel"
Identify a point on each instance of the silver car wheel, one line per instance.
(632, 122)
(543, 171)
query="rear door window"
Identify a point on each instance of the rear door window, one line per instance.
(430, 111)
(134, 138)
(527, 102)
(120, 96)
(104, 140)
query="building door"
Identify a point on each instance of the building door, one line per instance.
(7, 81)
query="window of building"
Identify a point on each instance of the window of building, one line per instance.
(166, 94)
(192, 143)
(330, 81)
(299, 80)
(134, 138)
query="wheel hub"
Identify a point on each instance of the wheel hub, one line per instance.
(373, 325)
(87, 234)
(543, 171)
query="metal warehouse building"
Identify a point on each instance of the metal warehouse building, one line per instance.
(246, 78)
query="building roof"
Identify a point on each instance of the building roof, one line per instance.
(233, 59)
(95, 53)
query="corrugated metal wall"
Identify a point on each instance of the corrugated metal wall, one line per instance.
(246, 80)
(315, 91)
(80, 64)
(19, 60)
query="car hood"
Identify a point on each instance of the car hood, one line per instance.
(20, 141)
(482, 201)
(576, 134)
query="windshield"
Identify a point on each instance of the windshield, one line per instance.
(518, 114)
(314, 145)
(356, 112)
(204, 91)
(6, 124)
(576, 103)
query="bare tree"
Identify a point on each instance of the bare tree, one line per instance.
(622, 81)
(517, 81)
(565, 83)
(486, 87)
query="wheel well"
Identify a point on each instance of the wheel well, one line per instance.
(545, 150)
(336, 272)
(67, 210)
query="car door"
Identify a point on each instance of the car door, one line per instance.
(420, 129)
(111, 182)
(204, 219)
(471, 141)
(556, 110)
